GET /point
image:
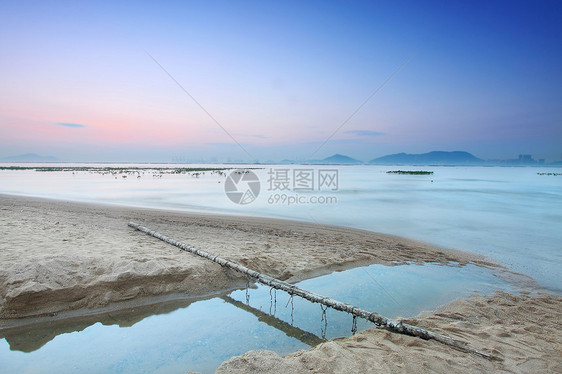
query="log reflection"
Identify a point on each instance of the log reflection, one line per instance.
(289, 330)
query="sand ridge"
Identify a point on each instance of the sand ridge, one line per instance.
(58, 256)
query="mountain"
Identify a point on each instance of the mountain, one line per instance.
(431, 158)
(336, 159)
(29, 157)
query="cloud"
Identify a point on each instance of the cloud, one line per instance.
(228, 144)
(365, 133)
(334, 142)
(66, 124)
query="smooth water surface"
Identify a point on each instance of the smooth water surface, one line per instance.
(509, 214)
(202, 335)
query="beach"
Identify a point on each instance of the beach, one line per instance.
(63, 259)
(64, 256)
(522, 332)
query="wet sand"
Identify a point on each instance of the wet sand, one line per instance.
(69, 260)
(521, 332)
(66, 256)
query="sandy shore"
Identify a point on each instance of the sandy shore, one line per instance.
(66, 260)
(522, 332)
(65, 256)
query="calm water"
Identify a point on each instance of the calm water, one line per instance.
(511, 215)
(200, 336)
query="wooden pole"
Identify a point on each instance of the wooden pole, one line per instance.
(377, 319)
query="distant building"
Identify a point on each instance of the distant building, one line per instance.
(526, 160)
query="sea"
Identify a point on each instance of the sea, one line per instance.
(509, 215)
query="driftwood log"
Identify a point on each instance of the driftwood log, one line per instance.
(377, 319)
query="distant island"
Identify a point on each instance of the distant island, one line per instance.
(336, 159)
(29, 157)
(431, 158)
(434, 158)
(410, 172)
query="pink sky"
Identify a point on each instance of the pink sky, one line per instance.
(280, 79)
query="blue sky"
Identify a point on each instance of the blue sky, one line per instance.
(280, 78)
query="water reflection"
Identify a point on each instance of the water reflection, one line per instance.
(184, 335)
(289, 330)
(31, 337)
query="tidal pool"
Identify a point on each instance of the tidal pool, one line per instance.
(197, 336)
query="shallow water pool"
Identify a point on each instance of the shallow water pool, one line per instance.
(198, 336)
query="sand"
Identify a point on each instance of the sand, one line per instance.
(65, 256)
(523, 332)
(63, 260)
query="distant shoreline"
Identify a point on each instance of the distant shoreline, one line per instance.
(433, 158)
(232, 165)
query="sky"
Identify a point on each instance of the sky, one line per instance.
(192, 81)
